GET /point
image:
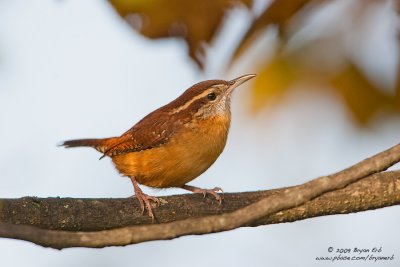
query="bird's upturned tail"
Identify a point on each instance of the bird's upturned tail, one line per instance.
(100, 145)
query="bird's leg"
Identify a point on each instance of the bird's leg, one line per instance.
(143, 198)
(212, 192)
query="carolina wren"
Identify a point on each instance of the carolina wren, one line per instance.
(175, 143)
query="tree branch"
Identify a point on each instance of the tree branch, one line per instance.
(69, 214)
(272, 206)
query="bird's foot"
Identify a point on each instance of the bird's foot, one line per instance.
(213, 192)
(144, 200)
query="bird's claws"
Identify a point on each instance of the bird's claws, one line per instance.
(144, 200)
(213, 192)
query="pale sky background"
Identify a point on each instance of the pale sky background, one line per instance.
(74, 69)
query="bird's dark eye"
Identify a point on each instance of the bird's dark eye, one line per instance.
(211, 96)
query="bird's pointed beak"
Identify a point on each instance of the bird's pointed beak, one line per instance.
(238, 81)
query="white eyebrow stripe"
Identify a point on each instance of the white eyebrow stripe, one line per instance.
(187, 104)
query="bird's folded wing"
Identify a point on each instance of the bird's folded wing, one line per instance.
(144, 135)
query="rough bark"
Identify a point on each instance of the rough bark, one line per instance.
(268, 206)
(69, 214)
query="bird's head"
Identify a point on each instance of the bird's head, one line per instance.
(207, 98)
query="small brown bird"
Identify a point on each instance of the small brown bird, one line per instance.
(175, 143)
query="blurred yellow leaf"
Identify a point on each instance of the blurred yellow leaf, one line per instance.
(362, 98)
(319, 61)
(195, 21)
(272, 82)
